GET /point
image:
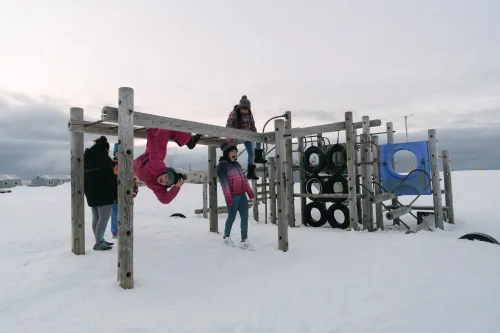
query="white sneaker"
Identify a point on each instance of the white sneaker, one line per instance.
(229, 242)
(246, 245)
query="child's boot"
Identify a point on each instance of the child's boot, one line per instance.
(251, 172)
(259, 157)
(193, 141)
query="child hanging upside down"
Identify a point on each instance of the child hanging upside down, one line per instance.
(235, 188)
(242, 118)
(150, 166)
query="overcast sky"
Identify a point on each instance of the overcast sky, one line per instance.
(437, 60)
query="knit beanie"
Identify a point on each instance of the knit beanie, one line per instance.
(102, 142)
(227, 147)
(244, 103)
(115, 149)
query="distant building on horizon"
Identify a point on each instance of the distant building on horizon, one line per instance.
(49, 180)
(9, 181)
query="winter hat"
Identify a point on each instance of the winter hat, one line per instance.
(244, 103)
(227, 147)
(102, 142)
(115, 149)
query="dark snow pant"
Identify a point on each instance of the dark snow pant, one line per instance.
(100, 218)
(240, 205)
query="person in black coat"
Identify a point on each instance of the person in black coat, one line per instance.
(100, 187)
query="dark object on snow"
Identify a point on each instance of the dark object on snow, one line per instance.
(178, 215)
(309, 220)
(480, 237)
(330, 184)
(321, 159)
(331, 216)
(100, 183)
(332, 166)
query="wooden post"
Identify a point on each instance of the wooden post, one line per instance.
(448, 188)
(212, 190)
(279, 125)
(366, 179)
(125, 185)
(272, 189)
(265, 194)
(289, 172)
(77, 193)
(390, 140)
(255, 202)
(379, 214)
(351, 170)
(436, 180)
(359, 202)
(302, 178)
(205, 197)
(320, 140)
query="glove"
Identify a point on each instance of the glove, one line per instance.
(229, 140)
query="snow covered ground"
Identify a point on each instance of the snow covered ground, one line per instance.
(187, 281)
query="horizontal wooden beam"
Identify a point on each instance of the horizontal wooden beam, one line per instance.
(92, 127)
(326, 128)
(110, 114)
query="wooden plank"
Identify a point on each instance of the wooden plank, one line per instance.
(220, 209)
(436, 179)
(212, 189)
(108, 129)
(351, 171)
(327, 128)
(381, 197)
(448, 188)
(398, 212)
(155, 121)
(279, 125)
(417, 207)
(125, 186)
(289, 172)
(272, 190)
(77, 188)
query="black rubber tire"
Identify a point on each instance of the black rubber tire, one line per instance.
(178, 215)
(336, 148)
(321, 157)
(308, 218)
(309, 185)
(480, 237)
(328, 186)
(331, 216)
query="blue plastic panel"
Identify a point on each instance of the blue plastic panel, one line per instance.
(416, 183)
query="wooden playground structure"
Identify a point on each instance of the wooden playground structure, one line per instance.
(363, 190)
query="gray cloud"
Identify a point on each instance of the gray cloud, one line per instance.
(34, 138)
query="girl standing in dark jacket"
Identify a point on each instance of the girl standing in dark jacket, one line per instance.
(101, 188)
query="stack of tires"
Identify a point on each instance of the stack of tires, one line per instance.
(327, 175)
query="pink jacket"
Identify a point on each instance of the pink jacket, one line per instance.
(151, 164)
